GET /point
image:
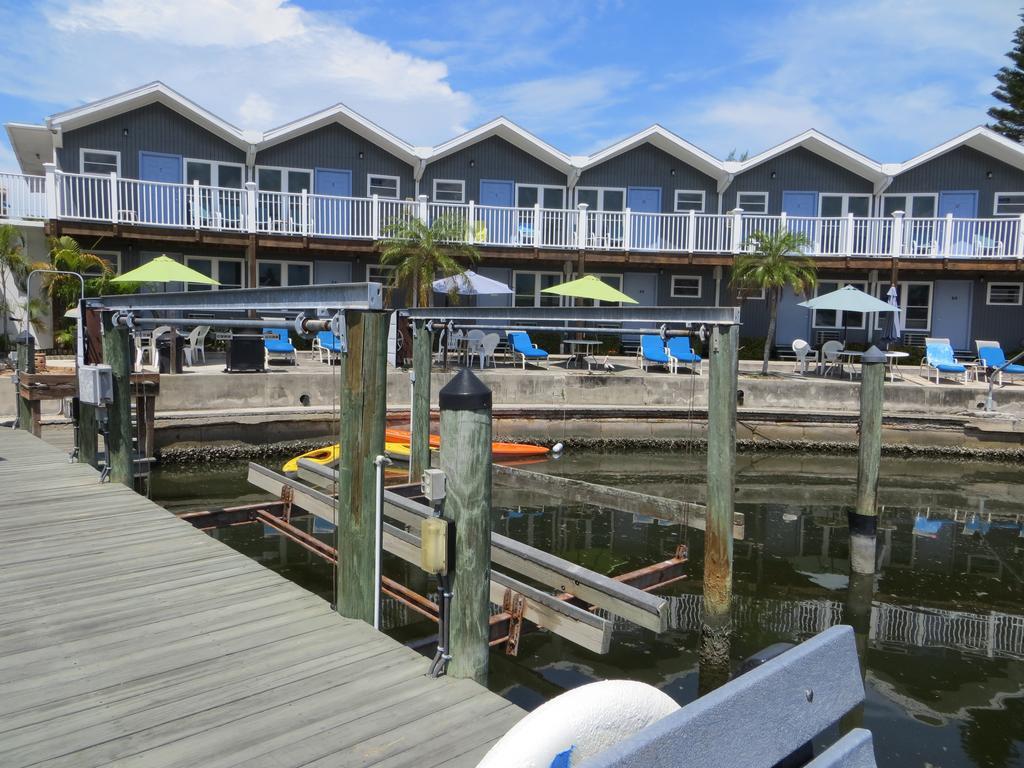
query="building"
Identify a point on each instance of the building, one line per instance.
(148, 172)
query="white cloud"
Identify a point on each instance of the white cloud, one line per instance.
(257, 63)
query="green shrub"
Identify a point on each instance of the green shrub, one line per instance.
(751, 348)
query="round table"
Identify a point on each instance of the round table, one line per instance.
(891, 358)
(579, 350)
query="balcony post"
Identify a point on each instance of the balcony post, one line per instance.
(471, 229)
(375, 218)
(50, 190)
(783, 221)
(947, 236)
(896, 243)
(1019, 250)
(114, 204)
(691, 231)
(737, 230)
(537, 225)
(196, 204)
(304, 212)
(250, 206)
(581, 227)
(848, 236)
(627, 229)
(424, 217)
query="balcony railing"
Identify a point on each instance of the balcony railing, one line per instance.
(85, 197)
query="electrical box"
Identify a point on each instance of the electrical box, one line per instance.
(432, 484)
(96, 384)
(437, 537)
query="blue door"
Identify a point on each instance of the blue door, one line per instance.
(963, 205)
(500, 226)
(645, 230)
(160, 203)
(329, 216)
(793, 321)
(951, 312)
(801, 204)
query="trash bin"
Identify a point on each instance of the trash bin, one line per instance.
(163, 351)
(245, 352)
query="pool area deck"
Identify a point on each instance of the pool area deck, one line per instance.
(128, 636)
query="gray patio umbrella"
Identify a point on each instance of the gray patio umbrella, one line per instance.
(849, 299)
(893, 327)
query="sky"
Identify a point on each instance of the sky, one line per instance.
(889, 78)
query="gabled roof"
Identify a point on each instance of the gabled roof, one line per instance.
(344, 116)
(151, 93)
(826, 147)
(33, 146)
(983, 139)
(510, 132)
(668, 142)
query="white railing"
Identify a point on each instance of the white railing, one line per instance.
(193, 206)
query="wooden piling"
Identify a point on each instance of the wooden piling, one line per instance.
(26, 364)
(717, 615)
(863, 521)
(363, 390)
(419, 450)
(87, 434)
(117, 354)
(466, 461)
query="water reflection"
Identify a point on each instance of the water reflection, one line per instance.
(939, 628)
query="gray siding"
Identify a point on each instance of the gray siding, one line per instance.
(492, 158)
(648, 166)
(962, 169)
(798, 170)
(707, 286)
(336, 147)
(153, 128)
(1004, 324)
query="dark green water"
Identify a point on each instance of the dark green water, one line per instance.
(943, 631)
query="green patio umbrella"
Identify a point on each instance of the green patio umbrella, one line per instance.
(163, 269)
(590, 287)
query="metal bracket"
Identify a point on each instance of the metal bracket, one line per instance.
(338, 326)
(300, 329)
(287, 496)
(514, 605)
(123, 319)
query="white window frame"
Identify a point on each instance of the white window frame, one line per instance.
(845, 197)
(460, 182)
(600, 196)
(764, 196)
(215, 170)
(839, 324)
(81, 161)
(672, 286)
(541, 188)
(1004, 283)
(215, 262)
(910, 197)
(284, 178)
(995, 204)
(396, 179)
(761, 295)
(113, 257)
(675, 200)
(285, 263)
(536, 284)
(901, 288)
(383, 273)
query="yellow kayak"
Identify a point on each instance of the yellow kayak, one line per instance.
(326, 456)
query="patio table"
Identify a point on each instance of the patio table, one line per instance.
(579, 351)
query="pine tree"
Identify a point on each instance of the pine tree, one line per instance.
(1009, 120)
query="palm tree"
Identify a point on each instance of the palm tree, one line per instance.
(770, 263)
(67, 255)
(13, 268)
(419, 252)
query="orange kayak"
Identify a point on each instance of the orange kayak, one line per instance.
(497, 449)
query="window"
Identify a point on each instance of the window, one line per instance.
(379, 273)
(601, 198)
(228, 272)
(615, 281)
(915, 206)
(100, 162)
(686, 287)
(528, 195)
(272, 274)
(528, 287)
(212, 174)
(283, 179)
(447, 191)
(916, 303)
(1009, 204)
(843, 205)
(830, 318)
(752, 202)
(689, 200)
(1005, 294)
(382, 186)
(113, 258)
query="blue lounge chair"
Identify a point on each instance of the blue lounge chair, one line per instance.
(521, 345)
(652, 352)
(991, 356)
(938, 357)
(680, 351)
(326, 343)
(275, 342)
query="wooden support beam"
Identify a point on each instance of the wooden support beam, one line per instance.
(422, 353)
(117, 354)
(863, 520)
(26, 364)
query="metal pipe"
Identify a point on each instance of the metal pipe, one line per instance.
(663, 332)
(311, 326)
(378, 536)
(990, 404)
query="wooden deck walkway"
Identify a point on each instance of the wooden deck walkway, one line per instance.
(128, 637)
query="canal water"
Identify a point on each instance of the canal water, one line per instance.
(942, 628)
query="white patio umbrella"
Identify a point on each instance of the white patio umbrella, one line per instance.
(469, 283)
(895, 329)
(849, 299)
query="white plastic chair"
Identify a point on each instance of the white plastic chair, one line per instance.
(474, 344)
(803, 352)
(196, 344)
(830, 356)
(487, 347)
(154, 357)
